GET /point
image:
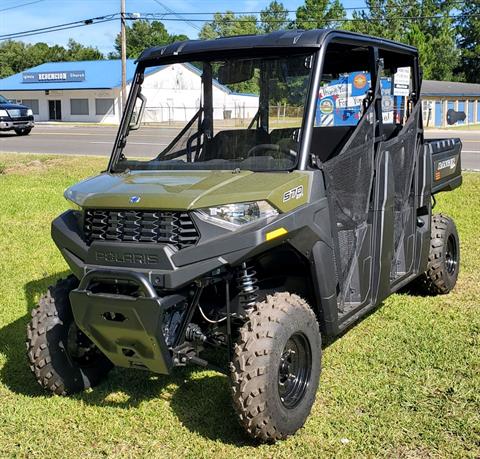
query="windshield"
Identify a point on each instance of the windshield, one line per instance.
(3, 100)
(242, 113)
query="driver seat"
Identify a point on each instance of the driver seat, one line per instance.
(234, 144)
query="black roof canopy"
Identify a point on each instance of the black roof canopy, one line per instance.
(273, 43)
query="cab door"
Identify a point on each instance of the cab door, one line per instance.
(396, 156)
(344, 141)
(402, 133)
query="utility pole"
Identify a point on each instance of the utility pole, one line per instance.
(123, 39)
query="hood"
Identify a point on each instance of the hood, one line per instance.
(184, 190)
(10, 106)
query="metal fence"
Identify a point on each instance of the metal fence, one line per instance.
(237, 114)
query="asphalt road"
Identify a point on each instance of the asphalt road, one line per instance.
(98, 140)
(470, 141)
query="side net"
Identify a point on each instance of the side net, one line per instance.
(349, 178)
(402, 153)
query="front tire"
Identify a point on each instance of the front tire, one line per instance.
(61, 357)
(23, 131)
(276, 367)
(444, 257)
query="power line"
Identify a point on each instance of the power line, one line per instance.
(179, 16)
(20, 6)
(151, 16)
(355, 8)
(27, 34)
(55, 28)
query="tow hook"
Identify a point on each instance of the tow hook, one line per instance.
(184, 354)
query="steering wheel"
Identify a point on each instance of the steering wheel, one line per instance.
(271, 146)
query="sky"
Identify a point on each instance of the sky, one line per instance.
(45, 13)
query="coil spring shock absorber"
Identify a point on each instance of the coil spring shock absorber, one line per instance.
(247, 285)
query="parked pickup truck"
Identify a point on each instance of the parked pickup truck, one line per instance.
(15, 117)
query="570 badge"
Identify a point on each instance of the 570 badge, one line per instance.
(294, 193)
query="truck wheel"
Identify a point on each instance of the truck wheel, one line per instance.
(444, 257)
(62, 358)
(276, 367)
(23, 131)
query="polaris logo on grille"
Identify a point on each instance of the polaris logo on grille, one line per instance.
(126, 257)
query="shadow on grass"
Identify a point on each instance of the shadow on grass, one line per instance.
(16, 374)
(201, 400)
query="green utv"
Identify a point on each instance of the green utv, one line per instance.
(254, 229)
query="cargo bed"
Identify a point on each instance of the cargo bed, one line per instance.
(446, 163)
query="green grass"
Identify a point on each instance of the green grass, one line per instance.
(405, 382)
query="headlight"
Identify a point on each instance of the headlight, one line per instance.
(29, 112)
(3, 113)
(234, 216)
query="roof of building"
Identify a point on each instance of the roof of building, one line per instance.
(297, 39)
(100, 74)
(450, 88)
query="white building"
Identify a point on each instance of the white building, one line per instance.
(90, 91)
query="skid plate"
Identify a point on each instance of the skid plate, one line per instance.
(128, 330)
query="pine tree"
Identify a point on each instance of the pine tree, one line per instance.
(319, 14)
(469, 41)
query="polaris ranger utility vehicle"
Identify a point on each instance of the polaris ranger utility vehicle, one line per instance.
(253, 226)
(15, 117)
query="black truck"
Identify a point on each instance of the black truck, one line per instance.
(15, 117)
(263, 240)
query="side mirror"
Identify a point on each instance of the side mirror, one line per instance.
(135, 121)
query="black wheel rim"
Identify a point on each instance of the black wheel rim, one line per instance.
(80, 349)
(451, 255)
(294, 370)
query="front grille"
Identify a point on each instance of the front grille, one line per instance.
(17, 112)
(176, 228)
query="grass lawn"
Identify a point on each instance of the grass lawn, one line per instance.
(405, 382)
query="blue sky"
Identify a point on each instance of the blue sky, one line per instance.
(51, 12)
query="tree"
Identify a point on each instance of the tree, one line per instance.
(16, 56)
(425, 24)
(144, 34)
(273, 17)
(319, 14)
(77, 52)
(228, 24)
(468, 29)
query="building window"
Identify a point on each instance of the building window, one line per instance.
(104, 107)
(31, 103)
(79, 106)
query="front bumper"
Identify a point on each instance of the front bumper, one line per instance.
(9, 125)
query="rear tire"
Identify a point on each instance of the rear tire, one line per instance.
(61, 357)
(276, 366)
(444, 257)
(24, 131)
